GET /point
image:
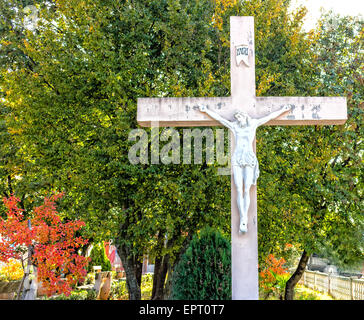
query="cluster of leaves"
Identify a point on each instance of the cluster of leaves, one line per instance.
(52, 243)
(221, 6)
(273, 277)
(204, 271)
(11, 270)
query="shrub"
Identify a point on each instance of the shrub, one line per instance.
(99, 258)
(118, 290)
(75, 295)
(204, 271)
(273, 277)
(147, 286)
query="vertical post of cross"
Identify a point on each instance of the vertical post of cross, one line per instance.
(244, 246)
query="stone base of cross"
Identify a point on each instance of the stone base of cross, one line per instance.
(184, 112)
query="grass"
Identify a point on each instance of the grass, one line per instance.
(119, 291)
(301, 292)
(304, 293)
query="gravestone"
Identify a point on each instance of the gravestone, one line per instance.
(102, 285)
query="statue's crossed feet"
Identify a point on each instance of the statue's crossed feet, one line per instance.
(243, 227)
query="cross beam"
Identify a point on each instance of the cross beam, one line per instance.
(183, 112)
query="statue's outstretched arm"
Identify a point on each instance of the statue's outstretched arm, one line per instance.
(217, 117)
(272, 115)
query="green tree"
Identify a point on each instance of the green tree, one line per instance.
(99, 258)
(311, 182)
(341, 64)
(75, 100)
(18, 172)
(204, 271)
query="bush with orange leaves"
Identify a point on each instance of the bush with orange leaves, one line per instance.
(273, 277)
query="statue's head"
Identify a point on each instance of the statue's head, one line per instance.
(243, 118)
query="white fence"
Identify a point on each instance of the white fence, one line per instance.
(341, 288)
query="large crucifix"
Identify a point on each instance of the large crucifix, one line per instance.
(206, 111)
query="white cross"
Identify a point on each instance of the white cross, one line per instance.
(183, 112)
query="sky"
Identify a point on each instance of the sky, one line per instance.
(343, 7)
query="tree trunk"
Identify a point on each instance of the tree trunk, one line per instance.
(293, 280)
(85, 248)
(138, 271)
(168, 286)
(162, 267)
(168, 267)
(130, 271)
(30, 286)
(159, 277)
(167, 292)
(156, 275)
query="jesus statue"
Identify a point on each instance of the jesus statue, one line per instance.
(244, 161)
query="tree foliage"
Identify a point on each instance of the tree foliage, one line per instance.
(204, 271)
(310, 192)
(81, 71)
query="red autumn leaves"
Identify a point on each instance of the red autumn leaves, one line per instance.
(273, 275)
(55, 243)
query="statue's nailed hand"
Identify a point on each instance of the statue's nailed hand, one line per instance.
(286, 108)
(203, 108)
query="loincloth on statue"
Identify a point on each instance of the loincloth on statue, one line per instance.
(247, 159)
